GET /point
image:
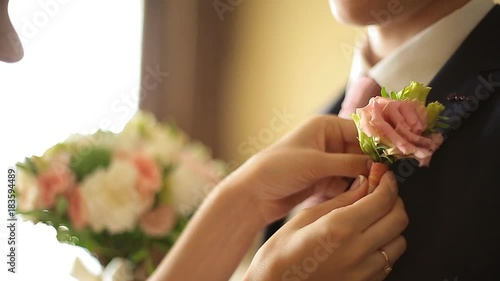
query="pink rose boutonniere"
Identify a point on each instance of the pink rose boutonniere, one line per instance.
(399, 125)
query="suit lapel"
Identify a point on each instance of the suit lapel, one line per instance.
(452, 200)
(473, 72)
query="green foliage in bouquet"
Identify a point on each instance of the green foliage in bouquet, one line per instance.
(96, 157)
(126, 195)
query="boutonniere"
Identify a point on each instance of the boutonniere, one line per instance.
(399, 125)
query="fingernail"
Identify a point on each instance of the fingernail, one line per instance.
(358, 182)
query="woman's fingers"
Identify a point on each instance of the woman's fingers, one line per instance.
(338, 128)
(323, 191)
(322, 165)
(360, 211)
(376, 264)
(369, 209)
(331, 187)
(388, 227)
(327, 133)
(320, 211)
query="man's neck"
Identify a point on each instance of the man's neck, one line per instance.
(383, 39)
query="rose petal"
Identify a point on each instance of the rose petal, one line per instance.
(77, 211)
(149, 180)
(158, 222)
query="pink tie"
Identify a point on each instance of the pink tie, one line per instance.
(358, 95)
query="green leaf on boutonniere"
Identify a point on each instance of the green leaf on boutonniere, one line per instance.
(383, 93)
(83, 164)
(392, 95)
(434, 109)
(368, 144)
(414, 91)
(442, 122)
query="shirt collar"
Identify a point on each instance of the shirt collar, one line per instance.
(420, 58)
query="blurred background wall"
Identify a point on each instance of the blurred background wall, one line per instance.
(289, 59)
(244, 72)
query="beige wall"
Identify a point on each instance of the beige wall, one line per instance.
(287, 54)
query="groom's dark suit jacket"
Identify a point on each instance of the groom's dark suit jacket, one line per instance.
(454, 205)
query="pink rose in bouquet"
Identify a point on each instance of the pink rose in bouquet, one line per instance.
(159, 221)
(77, 210)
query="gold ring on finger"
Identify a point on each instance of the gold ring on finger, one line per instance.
(387, 267)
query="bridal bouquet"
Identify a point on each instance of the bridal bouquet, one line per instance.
(125, 195)
(399, 125)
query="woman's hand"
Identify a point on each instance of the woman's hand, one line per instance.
(309, 160)
(339, 239)
(313, 159)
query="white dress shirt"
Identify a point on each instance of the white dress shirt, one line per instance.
(420, 58)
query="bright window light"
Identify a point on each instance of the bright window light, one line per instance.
(81, 72)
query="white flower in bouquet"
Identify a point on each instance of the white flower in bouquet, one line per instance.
(164, 145)
(80, 142)
(27, 191)
(154, 139)
(193, 178)
(111, 197)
